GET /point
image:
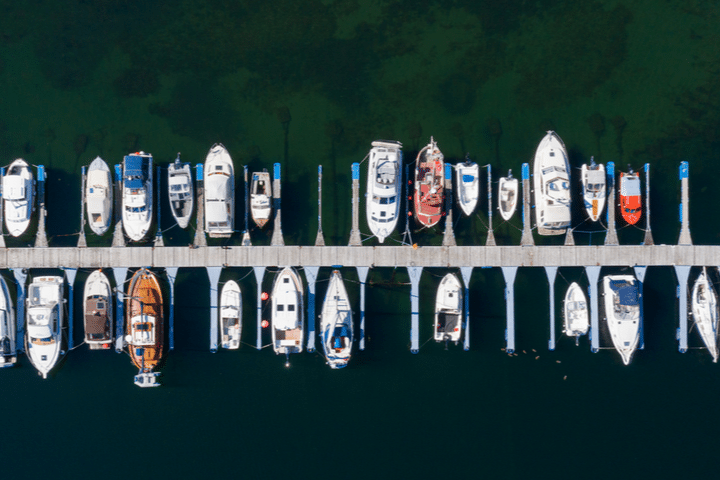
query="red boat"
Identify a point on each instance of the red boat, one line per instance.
(630, 197)
(429, 185)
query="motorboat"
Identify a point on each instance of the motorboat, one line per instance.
(623, 312)
(287, 313)
(137, 195)
(45, 322)
(18, 190)
(98, 311)
(448, 310)
(507, 196)
(630, 197)
(230, 315)
(593, 187)
(8, 328)
(705, 312)
(429, 185)
(219, 193)
(180, 192)
(336, 323)
(99, 196)
(551, 177)
(261, 198)
(467, 176)
(576, 313)
(384, 187)
(145, 326)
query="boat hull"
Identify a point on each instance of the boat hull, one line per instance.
(467, 178)
(261, 198)
(623, 312)
(8, 328)
(429, 185)
(705, 313)
(45, 323)
(384, 183)
(576, 313)
(594, 189)
(145, 321)
(99, 196)
(507, 197)
(336, 323)
(180, 192)
(219, 196)
(551, 179)
(98, 311)
(448, 310)
(137, 195)
(287, 313)
(230, 315)
(18, 197)
(630, 197)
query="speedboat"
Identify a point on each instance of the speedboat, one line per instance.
(137, 195)
(45, 322)
(630, 197)
(383, 188)
(180, 192)
(576, 312)
(448, 310)
(705, 313)
(261, 198)
(507, 196)
(429, 185)
(230, 315)
(468, 184)
(18, 189)
(219, 193)
(623, 313)
(98, 311)
(144, 326)
(593, 186)
(551, 177)
(99, 196)
(336, 323)
(8, 328)
(287, 313)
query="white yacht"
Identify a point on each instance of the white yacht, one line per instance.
(576, 312)
(705, 312)
(137, 195)
(98, 311)
(448, 310)
(230, 315)
(383, 187)
(261, 198)
(219, 193)
(99, 196)
(8, 328)
(467, 177)
(507, 196)
(594, 190)
(287, 313)
(623, 312)
(551, 178)
(180, 192)
(18, 190)
(336, 323)
(45, 322)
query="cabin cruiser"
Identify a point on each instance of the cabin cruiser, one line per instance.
(551, 177)
(45, 321)
(261, 198)
(145, 326)
(429, 185)
(99, 196)
(287, 313)
(180, 192)
(98, 311)
(137, 195)
(219, 193)
(448, 310)
(593, 187)
(8, 328)
(623, 311)
(507, 196)
(576, 312)
(630, 197)
(705, 312)
(336, 323)
(467, 175)
(383, 187)
(230, 315)
(18, 188)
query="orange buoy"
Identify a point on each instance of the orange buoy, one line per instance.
(264, 323)
(264, 296)
(415, 246)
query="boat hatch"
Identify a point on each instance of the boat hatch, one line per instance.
(468, 178)
(286, 280)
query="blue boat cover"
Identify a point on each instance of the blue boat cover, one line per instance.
(134, 171)
(627, 293)
(338, 343)
(468, 178)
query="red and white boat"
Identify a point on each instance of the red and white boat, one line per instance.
(630, 197)
(429, 185)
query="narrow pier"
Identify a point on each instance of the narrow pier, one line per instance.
(319, 239)
(246, 242)
(118, 235)
(551, 273)
(311, 274)
(71, 273)
(466, 273)
(355, 231)
(685, 238)
(171, 276)
(362, 276)
(527, 238)
(214, 276)
(259, 274)
(682, 272)
(20, 275)
(509, 273)
(158, 233)
(593, 274)
(415, 273)
(490, 241)
(82, 241)
(648, 240)
(640, 274)
(41, 237)
(120, 274)
(200, 240)
(611, 236)
(449, 234)
(277, 236)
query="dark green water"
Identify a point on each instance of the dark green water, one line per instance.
(308, 83)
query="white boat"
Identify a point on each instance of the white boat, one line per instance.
(507, 196)
(467, 177)
(261, 198)
(137, 195)
(180, 192)
(705, 312)
(18, 190)
(383, 188)
(230, 315)
(448, 310)
(8, 328)
(98, 311)
(336, 323)
(623, 313)
(219, 193)
(551, 177)
(594, 190)
(99, 196)
(45, 321)
(287, 313)
(576, 312)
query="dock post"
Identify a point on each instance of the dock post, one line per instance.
(277, 236)
(82, 241)
(611, 236)
(41, 237)
(551, 273)
(259, 274)
(319, 240)
(71, 273)
(640, 274)
(682, 272)
(490, 242)
(246, 234)
(355, 232)
(527, 238)
(200, 240)
(415, 273)
(449, 235)
(593, 274)
(311, 274)
(171, 273)
(509, 273)
(20, 279)
(648, 240)
(362, 276)
(119, 274)
(118, 236)
(466, 273)
(685, 238)
(214, 276)
(158, 233)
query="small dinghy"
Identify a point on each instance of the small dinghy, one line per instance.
(8, 328)
(507, 196)
(630, 197)
(576, 313)
(230, 315)
(98, 310)
(99, 196)
(593, 186)
(18, 189)
(180, 192)
(467, 177)
(261, 198)
(448, 310)
(336, 323)
(705, 313)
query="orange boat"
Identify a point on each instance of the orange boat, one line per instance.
(144, 325)
(429, 185)
(630, 197)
